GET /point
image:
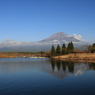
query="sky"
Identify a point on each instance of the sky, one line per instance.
(35, 20)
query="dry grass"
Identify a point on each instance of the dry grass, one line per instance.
(13, 55)
(22, 54)
(77, 56)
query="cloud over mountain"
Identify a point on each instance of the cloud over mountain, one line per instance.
(11, 43)
(57, 38)
(79, 37)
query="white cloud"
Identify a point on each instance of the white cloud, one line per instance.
(55, 40)
(11, 43)
(80, 69)
(79, 37)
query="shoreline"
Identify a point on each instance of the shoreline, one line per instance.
(85, 57)
(77, 60)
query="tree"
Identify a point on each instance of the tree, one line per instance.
(93, 44)
(41, 52)
(70, 47)
(53, 51)
(64, 50)
(91, 48)
(58, 52)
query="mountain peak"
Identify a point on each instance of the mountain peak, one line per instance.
(61, 33)
(60, 37)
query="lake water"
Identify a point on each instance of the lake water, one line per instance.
(27, 76)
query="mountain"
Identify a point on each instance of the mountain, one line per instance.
(60, 37)
(43, 45)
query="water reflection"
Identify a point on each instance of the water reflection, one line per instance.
(42, 76)
(57, 68)
(91, 66)
(62, 64)
(61, 69)
(9, 67)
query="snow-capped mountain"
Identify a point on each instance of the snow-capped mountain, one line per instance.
(60, 37)
(45, 44)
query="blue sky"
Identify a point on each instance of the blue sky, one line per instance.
(34, 20)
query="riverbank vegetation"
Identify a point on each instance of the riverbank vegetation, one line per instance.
(80, 56)
(62, 50)
(24, 54)
(70, 52)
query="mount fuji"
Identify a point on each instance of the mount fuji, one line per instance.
(43, 45)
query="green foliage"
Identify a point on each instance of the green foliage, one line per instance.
(53, 51)
(58, 52)
(70, 47)
(93, 44)
(64, 50)
(93, 48)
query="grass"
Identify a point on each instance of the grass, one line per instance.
(77, 56)
(13, 54)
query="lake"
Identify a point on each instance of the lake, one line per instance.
(44, 76)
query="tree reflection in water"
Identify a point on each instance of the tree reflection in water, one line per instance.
(53, 64)
(91, 65)
(69, 65)
(58, 64)
(62, 64)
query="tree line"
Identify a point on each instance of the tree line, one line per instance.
(62, 50)
(91, 48)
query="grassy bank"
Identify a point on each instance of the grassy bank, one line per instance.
(23, 54)
(13, 54)
(78, 56)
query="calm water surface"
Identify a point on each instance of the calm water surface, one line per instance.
(24, 76)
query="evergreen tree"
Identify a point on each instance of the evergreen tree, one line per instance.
(94, 45)
(58, 50)
(64, 50)
(70, 47)
(53, 50)
(93, 48)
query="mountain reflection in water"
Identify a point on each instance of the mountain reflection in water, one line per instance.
(27, 76)
(57, 68)
(61, 69)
